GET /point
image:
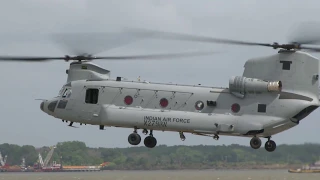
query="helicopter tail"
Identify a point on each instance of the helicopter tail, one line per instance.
(298, 72)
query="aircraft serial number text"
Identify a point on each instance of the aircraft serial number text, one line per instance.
(162, 121)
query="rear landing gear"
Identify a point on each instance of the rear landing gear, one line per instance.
(150, 141)
(270, 145)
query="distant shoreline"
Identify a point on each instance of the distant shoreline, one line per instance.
(167, 170)
(201, 157)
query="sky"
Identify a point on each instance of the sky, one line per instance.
(25, 24)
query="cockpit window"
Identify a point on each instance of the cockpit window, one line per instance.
(66, 93)
(69, 94)
(64, 90)
(61, 91)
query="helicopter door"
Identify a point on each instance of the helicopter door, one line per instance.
(91, 107)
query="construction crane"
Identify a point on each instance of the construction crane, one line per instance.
(23, 164)
(40, 160)
(3, 161)
(47, 159)
(44, 163)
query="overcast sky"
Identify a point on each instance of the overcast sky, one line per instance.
(22, 121)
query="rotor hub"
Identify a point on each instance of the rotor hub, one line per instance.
(78, 58)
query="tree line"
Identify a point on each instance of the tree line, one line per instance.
(166, 157)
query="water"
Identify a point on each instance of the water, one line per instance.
(165, 175)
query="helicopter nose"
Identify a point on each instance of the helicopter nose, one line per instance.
(48, 106)
(42, 106)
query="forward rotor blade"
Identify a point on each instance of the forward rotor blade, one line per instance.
(150, 57)
(156, 56)
(92, 42)
(188, 37)
(29, 59)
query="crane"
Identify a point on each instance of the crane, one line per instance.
(47, 159)
(3, 161)
(44, 163)
(40, 159)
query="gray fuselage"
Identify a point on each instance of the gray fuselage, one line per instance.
(265, 117)
(248, 107)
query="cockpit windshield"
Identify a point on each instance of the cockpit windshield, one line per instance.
(61, 91)
(65, 91)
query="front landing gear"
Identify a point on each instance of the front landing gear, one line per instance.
(134, 138)
(270, 145)
(182, 137)
(216, 137)
(150, 141)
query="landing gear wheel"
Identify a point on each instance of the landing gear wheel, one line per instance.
(150, 142)
(255, 143)
(270, 145)
(182, 137)
(145, 132)
(216, 137)
(134, 139)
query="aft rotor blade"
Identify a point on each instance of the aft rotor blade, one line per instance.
(81, 58)
(305, 33)
(312, 49)
(188, 37)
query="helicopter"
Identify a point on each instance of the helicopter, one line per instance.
(273, 94)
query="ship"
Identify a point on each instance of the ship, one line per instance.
(44, 165)
(310, 168)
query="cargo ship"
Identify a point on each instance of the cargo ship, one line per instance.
(44, 165)
(5, 167)
(80, 168)
(8, 168)
(311, 168)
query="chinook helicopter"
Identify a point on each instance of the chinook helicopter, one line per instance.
(273, 94)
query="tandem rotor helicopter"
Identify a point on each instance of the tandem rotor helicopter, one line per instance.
(273, 94)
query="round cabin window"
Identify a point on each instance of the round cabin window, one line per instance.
(128, 100)
(199, 105)
(164, 102)
(235, 107)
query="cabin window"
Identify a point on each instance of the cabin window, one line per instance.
(164, 102)
(199, 105)
(128, 100)
(92, 96)
(262, 108)
(235, 107)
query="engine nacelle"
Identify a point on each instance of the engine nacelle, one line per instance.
(239, 86)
